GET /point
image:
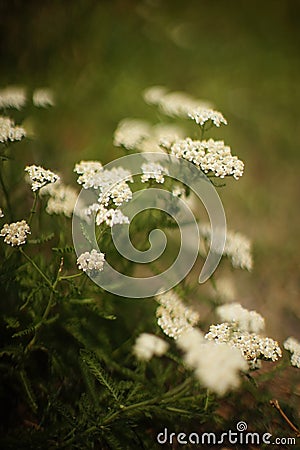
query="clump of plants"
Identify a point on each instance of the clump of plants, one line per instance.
(82, 367)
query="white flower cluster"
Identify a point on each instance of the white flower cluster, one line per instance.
(112, 183)
(153, 94)
(142, 136)
(153, 171)
(43, 97)
(253, 346)
(237, 247)
(202, 115)
(148, 345)
(9, 131)
(12, 97)
(15, 233)
(217, 366)
(62, 198)
(244, 320)
(131, 132)
(173, 103)
(89, 173)
(1, 213)
(173, 316)
(39, 177)
(91, 262)
(110, 216)
(209, 156)
(118, 193)
(293, 346)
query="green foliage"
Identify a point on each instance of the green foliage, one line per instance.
(70, 375)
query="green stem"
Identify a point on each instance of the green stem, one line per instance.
(36, 267)
(202, 131)
(173, 393)
(123, 409)
(47, 309)
(33, 209)
(70, 277)
(206, 400)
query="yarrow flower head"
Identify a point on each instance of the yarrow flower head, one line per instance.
(253, 346)
(174, 103)
(237, 247)
(89, 173)
(62, 198)
(293, 346)
(1, 213)
(202, 115)
(118, 193)
(109, 216)
(210, 156)
(244, 319)
(15, 233)
(112, 183)
(91, 262)
(113, 186)
(153, 171)
(217, 367)
(131, 132)
(43, 97)
(12, 97)
(40, 177)
(153, 94)
(9, 131)
(148, 345)
(173, 316)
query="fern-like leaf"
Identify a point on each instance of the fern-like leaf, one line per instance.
(92, 362)
(42, 239)
(90, 383)
(25, 332)
(63, 250)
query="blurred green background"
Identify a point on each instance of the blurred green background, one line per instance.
(98, 56)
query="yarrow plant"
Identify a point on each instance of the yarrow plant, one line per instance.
(82, 367)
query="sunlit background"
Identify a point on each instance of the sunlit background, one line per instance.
(99, 56)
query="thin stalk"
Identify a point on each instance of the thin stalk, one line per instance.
(276, 405)
(206, 400)
(36, 267)
(33, 209)
(70, 277)
(177, 391)
(123, 409)
(47, 309)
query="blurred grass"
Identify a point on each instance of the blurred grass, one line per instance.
(98, 56)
